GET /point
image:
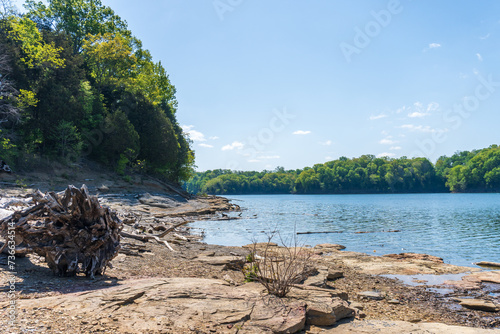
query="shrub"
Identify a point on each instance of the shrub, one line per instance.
(277, 268)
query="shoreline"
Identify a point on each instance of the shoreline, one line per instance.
(193, 259)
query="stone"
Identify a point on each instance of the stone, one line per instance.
(329, 246)
(278, 319)
(374, 295)
(341, 309)
(318, 280)
(328, 312)
(228, 261)
(488, 276)
(103, 188)
(488, 264)
(356, 305)
(415, 256)
(393, 301)
(334, 274)
(479, 304)
(189, 302)
(320, 315)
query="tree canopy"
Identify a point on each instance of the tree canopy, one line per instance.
(77, 84)
(465, 171)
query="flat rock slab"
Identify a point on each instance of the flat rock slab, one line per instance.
(403, 327)
(479, 304)
(488, 276)
(474, 280)
(181, 304)
(415, 256)
(374, 295)
(489, 264)
(327, 247)
(381, 265)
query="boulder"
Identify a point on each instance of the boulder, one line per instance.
(278, 318)
(334, 274)
(319, 314)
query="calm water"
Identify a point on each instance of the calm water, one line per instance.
(460, 228)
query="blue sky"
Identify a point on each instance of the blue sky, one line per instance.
(262, 84)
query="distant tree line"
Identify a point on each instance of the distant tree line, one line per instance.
(76, 83)
(474, 171)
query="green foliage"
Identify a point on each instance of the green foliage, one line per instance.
(26, 99)
(77, 18)
(366, 174)
(35, 51)
(250, 271)
(68, 143)
(84, 87)
(110, 59)
(475, 171)
(8, 150)
(121, 143)
(465, 171)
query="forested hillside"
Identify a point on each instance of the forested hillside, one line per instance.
(478, 170)
(76, 83)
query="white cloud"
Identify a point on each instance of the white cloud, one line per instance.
(433, 106)
(479, 57)
(419, 128)
(301, 132)
(379, 116)
(213, 138)
(193, 134)
(268, 157)
(386, 154)
(253, 160)
(417, 114)
(234, 145)
(484, 37)
(434, 45)
(329, 158)
(206, 145)
(387, 141)
(400, 110)
(394, 148)
(326, 143)
(419, 110)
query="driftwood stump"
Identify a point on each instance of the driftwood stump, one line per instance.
(70, 229)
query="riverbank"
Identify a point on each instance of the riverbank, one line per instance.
(200, 288)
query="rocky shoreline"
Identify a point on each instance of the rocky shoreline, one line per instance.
(200, 288)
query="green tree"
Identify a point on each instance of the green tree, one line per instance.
(77, 18)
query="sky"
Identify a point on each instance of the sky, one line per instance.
(262, 84)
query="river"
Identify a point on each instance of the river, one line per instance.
(460, 228)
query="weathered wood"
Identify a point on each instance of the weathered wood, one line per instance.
(70, 229)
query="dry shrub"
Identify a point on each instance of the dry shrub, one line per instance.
(278, 268)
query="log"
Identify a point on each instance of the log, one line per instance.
(70, 229)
